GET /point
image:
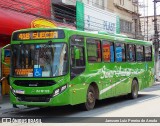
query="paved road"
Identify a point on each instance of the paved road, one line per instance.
(146, 105)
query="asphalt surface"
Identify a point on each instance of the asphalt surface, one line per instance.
(146, 105)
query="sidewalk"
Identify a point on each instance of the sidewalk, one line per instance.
(5, 102)
(6, 106)
(156, 83)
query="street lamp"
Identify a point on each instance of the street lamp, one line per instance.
(156, 42)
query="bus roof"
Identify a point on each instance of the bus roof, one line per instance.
(103, 35)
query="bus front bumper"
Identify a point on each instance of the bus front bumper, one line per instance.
(41, 100)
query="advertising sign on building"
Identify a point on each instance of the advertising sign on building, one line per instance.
(90, 18)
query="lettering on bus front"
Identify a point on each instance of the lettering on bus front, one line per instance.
(37, 35)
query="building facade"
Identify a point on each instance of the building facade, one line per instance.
(128, 12)
(147, 26)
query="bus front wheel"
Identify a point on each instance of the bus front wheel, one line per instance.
(90, 99)
(134, 90)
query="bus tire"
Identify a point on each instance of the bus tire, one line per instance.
(134, 90)
(90, 99)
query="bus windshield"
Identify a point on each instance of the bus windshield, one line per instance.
(39, 60)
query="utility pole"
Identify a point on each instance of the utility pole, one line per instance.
(147, 20)
(144, 20)
(156, 42)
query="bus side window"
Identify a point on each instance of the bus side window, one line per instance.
(139, 53)
(94, 50)
(107, 51)
(131, 53)
(120, 52)
(148, 53)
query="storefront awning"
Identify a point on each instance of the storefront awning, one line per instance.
(12, 20)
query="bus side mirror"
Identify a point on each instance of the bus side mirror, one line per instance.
(76, 53)
(3, 55)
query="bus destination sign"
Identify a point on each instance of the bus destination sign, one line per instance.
(37, 35)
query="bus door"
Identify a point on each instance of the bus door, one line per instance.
(5, 58)
(77, 56)
(77, 66)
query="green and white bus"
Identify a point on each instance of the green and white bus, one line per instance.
(60, 66)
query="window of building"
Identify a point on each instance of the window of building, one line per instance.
(139, 53)
(107, 51)
(120, 52)
(125, 26)
(94, 50)
(88, 1)
(121, 2)
(64, 14)
(131, 52)
(148, 53)
(98, 3)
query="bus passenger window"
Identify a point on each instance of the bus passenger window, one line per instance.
(139, 53)
(94, 50)
(148, 53)
(108, 51)
(131, 53)
(120, 52)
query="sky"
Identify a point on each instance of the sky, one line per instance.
(143, 10)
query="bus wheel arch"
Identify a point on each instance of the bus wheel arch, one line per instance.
(134, 89)
(91, 96)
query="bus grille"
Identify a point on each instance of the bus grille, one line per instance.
(33, 98)
(34, 83)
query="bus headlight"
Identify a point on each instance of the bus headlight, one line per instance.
(63, 88)
(12, 90)
(56, 92)
(59, 90)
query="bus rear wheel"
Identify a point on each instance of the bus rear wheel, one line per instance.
(134, 90)
(90, 99)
